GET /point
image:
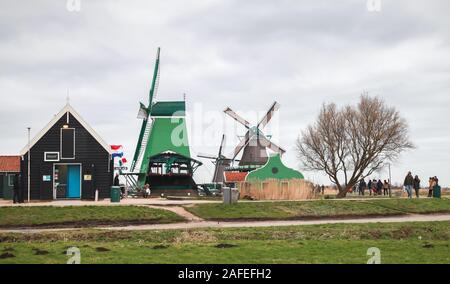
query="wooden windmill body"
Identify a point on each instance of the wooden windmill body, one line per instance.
(254, 144)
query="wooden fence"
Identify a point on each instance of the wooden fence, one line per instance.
(295, 189)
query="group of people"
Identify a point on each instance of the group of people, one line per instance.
(375, 187)
(411, 183)
(319, 189)
(433, 182)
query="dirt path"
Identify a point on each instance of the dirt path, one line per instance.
(179, 211)
(256, 224)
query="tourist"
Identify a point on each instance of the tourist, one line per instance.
(116, 180)
(408, 184)
(16, 189)
(323, 189)
(374, 187)
(379, 187)
(431, 185)
(436, 188)
(385, 188)
(147, 191)
(417, 185)
(369, 186)
(362, 187)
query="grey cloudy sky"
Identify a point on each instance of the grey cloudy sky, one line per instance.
(242, 54)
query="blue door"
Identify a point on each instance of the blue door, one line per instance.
(73, 181)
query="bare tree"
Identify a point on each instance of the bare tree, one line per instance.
(351, 143)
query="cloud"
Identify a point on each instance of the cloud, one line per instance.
(242, 54)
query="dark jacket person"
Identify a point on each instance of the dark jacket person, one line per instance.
(409, 183)
(16, 189)
(416, 186)
(116, 180)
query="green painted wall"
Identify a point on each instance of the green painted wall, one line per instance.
(274, 169)
(6, 190)
(168, 134)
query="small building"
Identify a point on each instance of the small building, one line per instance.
(69, 160)
(274, 169)
(9, 167)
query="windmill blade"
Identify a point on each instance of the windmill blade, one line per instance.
(207, 156)
(270, 113)
(236, 117)
(272, 146)
(242, 144)
(221, 145)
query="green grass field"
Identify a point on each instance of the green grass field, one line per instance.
(318, 209)
(340, 243)
(83, 216)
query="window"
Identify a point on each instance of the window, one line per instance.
(11, 180)
(51, 156)
(67, 143)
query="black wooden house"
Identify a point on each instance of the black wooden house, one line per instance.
(69, 160)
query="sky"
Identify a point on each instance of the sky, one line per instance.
(228, 53)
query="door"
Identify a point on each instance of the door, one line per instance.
(74, 181)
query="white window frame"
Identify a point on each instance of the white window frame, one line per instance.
(45, 157)
(60, 144)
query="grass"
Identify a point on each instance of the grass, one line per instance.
(83, 216)
(339, 243)
(318, 209)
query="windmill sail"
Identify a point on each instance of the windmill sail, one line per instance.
(144, 113)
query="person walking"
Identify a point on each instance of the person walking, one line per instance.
(374, 187)
(379, 187)
(369, 186)
(16, 189)
(408, 184)
(385, 188)
(417, 185)
(431, 185)
(362, 187)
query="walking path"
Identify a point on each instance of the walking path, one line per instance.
(179, 211)
(253, 224)
(158, 201)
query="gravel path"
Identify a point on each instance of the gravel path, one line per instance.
(254, 224)
(180, 211)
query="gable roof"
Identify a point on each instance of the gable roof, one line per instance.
(67, 109)
(10, 164)
(170, 108)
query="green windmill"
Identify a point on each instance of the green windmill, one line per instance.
(162, 157)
